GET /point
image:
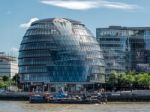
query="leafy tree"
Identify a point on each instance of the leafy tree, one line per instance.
(2, 85)
(143, 80)
(16, 79)
(113, 79)
(129, 79)
(5, 78)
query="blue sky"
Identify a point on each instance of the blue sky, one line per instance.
(15, 15)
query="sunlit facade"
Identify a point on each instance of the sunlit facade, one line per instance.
(59, 50)
(8, 65)
(125, 48)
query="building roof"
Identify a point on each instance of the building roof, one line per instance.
(125, 28)
(51, 20)
(3, 56)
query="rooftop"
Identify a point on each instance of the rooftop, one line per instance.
(125, 28)
(3, 56)
(52, 19)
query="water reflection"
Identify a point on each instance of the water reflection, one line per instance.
(17, 106)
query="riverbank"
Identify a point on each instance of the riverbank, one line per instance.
(121, 96)
(15, 96)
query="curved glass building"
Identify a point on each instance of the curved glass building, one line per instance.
(59, 50)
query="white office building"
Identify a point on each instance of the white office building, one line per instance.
(8, 65)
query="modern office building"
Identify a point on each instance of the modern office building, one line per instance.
(60, 52)
(8, 65)
(125, 48)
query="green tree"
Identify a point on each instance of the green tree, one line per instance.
(143, 79)
(122, 79)
(129, 79)
(2, 85)
(113, 79)
(5, 78)
(16, 79)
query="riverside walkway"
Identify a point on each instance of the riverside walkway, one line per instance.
(18, 96)
(135, 95)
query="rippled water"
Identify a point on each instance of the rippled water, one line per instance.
(20, 106)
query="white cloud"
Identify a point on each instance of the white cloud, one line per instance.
(77, 5)
(119, 5)
(27, 25)
(89, 4)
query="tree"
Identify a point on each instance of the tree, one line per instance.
(113, 79)
(16, 79)
(143, 80)
(5, 78)
(128, 80)
(2, 85)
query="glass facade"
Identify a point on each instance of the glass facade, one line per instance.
(125, 48)
(60, 50)
(114, 44)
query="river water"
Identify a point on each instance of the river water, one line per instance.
(21, 106)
